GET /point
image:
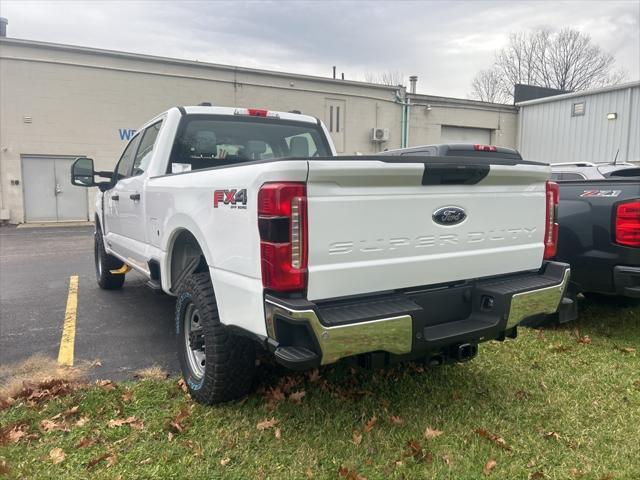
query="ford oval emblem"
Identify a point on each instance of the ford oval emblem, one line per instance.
(449, 215)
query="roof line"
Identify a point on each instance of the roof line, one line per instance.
(461, 101)
(582, 93)
(192, 63)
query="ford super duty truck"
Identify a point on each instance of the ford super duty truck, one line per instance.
(268, 240)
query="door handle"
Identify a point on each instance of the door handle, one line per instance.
(134, 196)
(58, 189)
(115, 198)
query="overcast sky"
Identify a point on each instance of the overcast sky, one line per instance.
(444, 43)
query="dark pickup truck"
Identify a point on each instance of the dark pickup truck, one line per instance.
(600, 235)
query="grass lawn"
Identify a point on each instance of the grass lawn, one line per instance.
(557, 403)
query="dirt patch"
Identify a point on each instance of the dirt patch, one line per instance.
(38, 377)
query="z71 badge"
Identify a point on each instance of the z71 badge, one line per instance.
(601, 193)
(234, 198)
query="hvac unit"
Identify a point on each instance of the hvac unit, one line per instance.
(379, 134)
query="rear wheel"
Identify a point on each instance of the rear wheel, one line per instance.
(217, 365)
(104, 264)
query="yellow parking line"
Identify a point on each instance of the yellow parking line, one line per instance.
(65, 355)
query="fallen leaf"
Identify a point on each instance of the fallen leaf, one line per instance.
(132, 421)
(105, 384)
(50, 426)
(86, 442)
(94, 461)
(176, 423)
(266, 424)
(44, 391)
(489, 466)
(127, 396)
(225, 461)
(169, 436)
(81, 422)
(13, 433)
(278, 434)
(146, 461)
(56, 455)
(314, 375)
(395, 420)
(607, 476)
(536, 475)
(370, 424)
(627, 350)
(430, 433)
(416, 451)
(584, 340)
(350, 474)
(297, 397)
(356, 438)
(499, 441)
(446, 458)
(555, 435)
(309, 473)
(456, 395)
(70, 412)
(274, 395)
(112, 460)
(182, 385)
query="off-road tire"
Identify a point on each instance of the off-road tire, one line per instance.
(229, 359)
(105, 263)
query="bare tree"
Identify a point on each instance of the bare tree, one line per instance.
(487, 86)
(566, 60)
(393, 78)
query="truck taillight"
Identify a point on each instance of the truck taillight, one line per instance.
(282, 221)
(485, 148)
(551, 226)
(628, 223)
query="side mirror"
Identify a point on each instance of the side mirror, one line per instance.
(82, 172)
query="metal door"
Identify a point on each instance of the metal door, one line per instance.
(450, 134)
(48, 193)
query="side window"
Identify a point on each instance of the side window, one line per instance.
(123, 170)
(145, 151)
(556, 176)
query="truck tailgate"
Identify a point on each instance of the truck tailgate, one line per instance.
(371, 227)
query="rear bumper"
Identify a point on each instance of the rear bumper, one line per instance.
(627, 281)
(417, 322)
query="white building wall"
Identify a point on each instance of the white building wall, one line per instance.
(428, 114)
(79, 102)
(82, 101)
(548, 131)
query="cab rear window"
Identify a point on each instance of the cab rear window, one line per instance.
(205, 141)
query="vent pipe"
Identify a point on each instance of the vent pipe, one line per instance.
(3, 26)
(413, 79)
(334, 71)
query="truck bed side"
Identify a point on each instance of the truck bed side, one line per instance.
(586, 238)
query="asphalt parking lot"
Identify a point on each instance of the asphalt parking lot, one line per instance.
(124, 330)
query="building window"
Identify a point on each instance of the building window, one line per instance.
(577, 109)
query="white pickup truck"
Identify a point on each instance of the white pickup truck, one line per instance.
(268, 239)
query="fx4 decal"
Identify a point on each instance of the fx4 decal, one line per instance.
(235, 198)
(601, 193)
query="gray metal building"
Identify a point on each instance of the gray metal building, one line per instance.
(592, 126)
